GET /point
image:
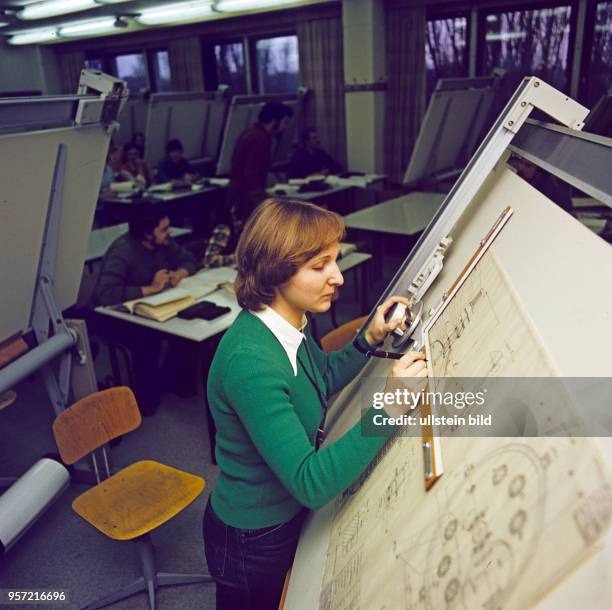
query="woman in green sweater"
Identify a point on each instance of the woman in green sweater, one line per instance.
(267, 390)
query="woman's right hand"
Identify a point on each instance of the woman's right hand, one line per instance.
(412, 367)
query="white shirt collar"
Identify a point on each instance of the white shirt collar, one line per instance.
(288, 336)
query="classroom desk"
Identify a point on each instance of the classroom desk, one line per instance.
(340, 197)
(405, 215)
(198, 205)
(101, 239)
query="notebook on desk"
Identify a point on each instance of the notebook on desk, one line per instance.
(166, 304)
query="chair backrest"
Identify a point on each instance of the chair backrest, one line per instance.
(95, 420)
(341, 336)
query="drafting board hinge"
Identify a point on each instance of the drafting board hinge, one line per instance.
(541, 95)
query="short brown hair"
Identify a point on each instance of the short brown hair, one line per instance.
(279, 237)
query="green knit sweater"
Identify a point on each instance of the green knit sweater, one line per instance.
(266, 419)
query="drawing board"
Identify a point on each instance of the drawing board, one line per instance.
(132, 119)
(196, 119)
(444, 143)
(512, 519)
(23, 211)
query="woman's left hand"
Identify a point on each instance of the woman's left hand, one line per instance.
(379, 328)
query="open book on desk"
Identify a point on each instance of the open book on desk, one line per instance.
(166, 304)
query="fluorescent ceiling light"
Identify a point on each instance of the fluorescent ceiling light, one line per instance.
(245, 5)
(86, 28)
(180, 11)
(33, 36)
(50, 8)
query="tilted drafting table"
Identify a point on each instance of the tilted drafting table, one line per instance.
(388, 543)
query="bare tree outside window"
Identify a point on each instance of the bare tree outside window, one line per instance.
(132, 69)
(600, 74)
(162, 71)
(277, 64)
(529, 43)
(230, 66)
(445, 50)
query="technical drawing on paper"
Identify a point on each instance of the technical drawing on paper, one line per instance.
(509, 518)
(502, 527)
(484, 331)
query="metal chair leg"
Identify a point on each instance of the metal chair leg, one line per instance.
(147, 561)
(137, 586)
(165, 579)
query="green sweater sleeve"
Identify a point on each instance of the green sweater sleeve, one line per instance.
(337, 368)
(312, 477)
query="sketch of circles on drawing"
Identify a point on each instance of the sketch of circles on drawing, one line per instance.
(484, 546)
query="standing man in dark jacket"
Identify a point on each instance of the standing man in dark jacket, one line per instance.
(252, 158)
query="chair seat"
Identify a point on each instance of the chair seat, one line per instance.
(137, 499)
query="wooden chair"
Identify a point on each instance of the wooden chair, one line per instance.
(339, 337)
(133, 502)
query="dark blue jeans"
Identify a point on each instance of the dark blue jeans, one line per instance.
(249, 566)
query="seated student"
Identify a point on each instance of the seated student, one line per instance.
(138, 140)
(136, 166)
(220, 248)
(310, 158)
(175, 166)
(112, 171)
(140, 263)
(267, 390)
(547, 184)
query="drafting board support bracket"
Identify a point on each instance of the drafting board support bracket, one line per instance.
(54, 337)
(541, 95)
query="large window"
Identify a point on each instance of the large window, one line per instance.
(445, 49)
(529, 43)
(600, 73)
(132, 69)
(277, 64)
(229, 58)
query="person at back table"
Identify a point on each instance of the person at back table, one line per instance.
(252, 158)
(144, 261)
(135, 166)
(310, 158)
(141, 263)
(175, 166)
